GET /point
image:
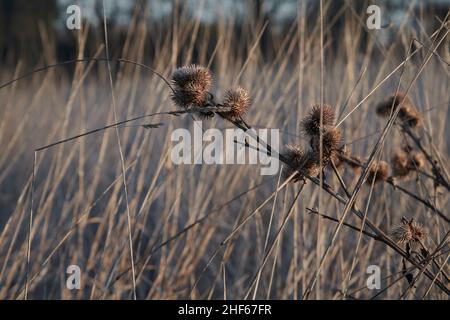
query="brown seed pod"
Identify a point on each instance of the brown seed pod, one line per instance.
(238, 101)
(400, 164)
(378, 171)
(407, 114)
(412, 118)
(408, 231)
(331, 138)
(300, 161)
(384, 109)
(191, 85)
(417, 161)
(311, 123)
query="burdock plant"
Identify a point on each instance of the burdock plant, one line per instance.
(408, 113)
(191, 85)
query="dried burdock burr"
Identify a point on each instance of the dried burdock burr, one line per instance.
(412, 118)
(311, 123)
(400, 164)
(331, 138)
(191, 86)
(237, 101)
(300, 160)
(385, 108)
(405, 162)
(408, 231)
(378, 171)
(417, 161)
(407, 114)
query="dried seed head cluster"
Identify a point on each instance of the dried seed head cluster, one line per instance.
(379, 170)
(311, 123)
(403, 163)
(300, 160)
(236, 101)
(191, 85)
(408, 231)
(408, 114)
(310, 162)
(331, 136)
(331, 139)
(417, 161)
(399, 163)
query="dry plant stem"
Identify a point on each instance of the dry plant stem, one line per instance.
(344, 107)
(363, 223)
(30, 226)
(416, 278)
(392, 182)
(369, 234)
(403, 275)
(437, 274)
(155, 247)
(442, 243)
(379, 84)
(428, 259)
(227, 240)
(436, 169)
(269, 227)
(69, 62)
(319, 237)
(122, 159)
(81, 218)
(359, 214)
(246, 219)
(113, 125)
(363, 176)
(274, 241)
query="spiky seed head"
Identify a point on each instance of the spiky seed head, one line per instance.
(402, 234)
(311, 164)
(331, 138)
(300, 160)
(191, 85)
(294, 154)
(416, 161)
(412, 118)
(238, 101)
(408, 114)
(378, 171)
(407, 148)
(384, 108)
(408, 231)
(400, 164)
(311, 123)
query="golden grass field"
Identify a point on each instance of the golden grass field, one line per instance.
(280, 242)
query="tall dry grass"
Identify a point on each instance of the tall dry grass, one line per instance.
(224, 231)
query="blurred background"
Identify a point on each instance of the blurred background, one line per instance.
(24, 24)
